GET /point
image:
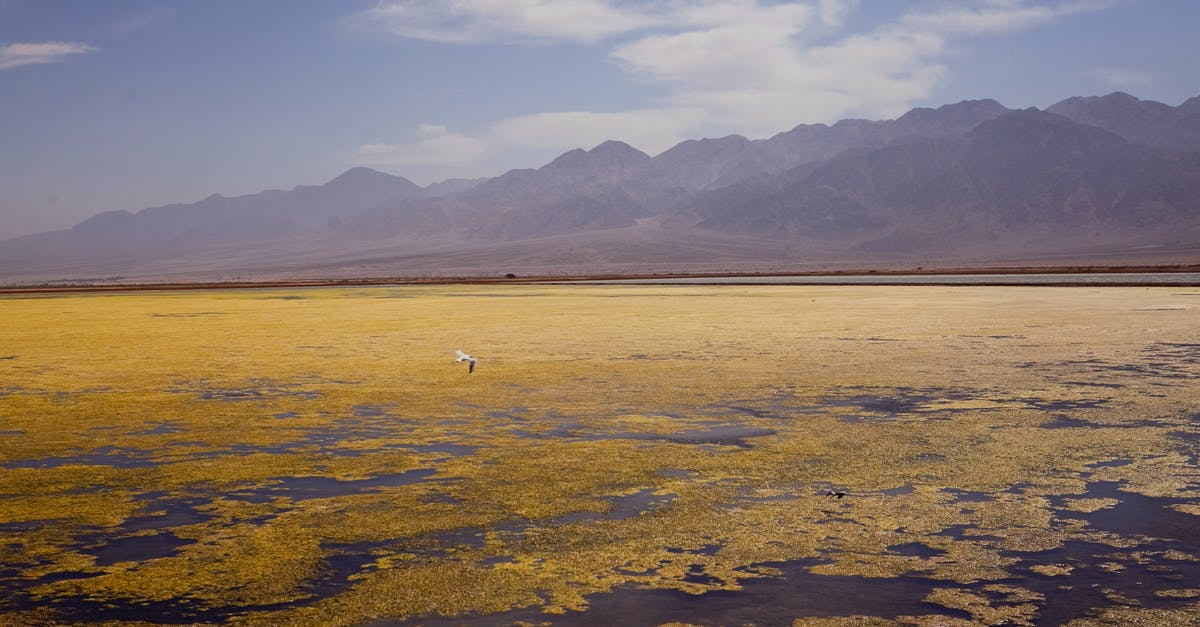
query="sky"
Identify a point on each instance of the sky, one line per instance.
(129, 104)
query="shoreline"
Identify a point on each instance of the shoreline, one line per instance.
(642, 278)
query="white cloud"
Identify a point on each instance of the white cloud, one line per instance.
(435, 145)
(754, 67)
(749, 46)
(833, 12)
(778, 76)
(17, 55)
(649, 130)
(470, 21)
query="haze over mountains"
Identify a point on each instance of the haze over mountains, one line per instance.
(1112, 179)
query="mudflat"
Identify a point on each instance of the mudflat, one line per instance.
(626, 454)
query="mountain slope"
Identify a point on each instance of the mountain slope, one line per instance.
(963, 181)
(579, 190)
(1020, 175)
(1142, 121)
(218, 221)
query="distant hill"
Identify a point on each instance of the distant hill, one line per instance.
(1114, 178)
(1142, 121)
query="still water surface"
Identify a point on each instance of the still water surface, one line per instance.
(1146, 278)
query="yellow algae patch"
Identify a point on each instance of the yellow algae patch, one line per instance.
(1051, 570)
(1179, 594)
(983, 609)
(1089, 505)
(1141, 617)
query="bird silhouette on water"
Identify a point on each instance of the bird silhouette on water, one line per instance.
(467, 358)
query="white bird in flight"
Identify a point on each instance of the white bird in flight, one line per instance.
(465, 357)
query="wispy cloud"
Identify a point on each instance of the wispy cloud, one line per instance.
(144, 18)
(834, 12)
(17, 55)
(1123, 77)
(749, 66)
(507, 21)
(653, 129)
(996, 16)
(434, 145)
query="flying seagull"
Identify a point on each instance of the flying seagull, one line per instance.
(837, 494)
(465, 357)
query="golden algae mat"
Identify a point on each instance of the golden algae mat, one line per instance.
(623, 455)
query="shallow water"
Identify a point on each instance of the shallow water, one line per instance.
(767, 601)
(1144, 278)
(303, 488)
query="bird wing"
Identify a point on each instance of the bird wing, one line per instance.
(471, 368)
(461, 355)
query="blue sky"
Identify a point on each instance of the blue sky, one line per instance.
(127, 104)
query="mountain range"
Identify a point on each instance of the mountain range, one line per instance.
(1111, 179)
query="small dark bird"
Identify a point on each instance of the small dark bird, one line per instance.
(837, 494)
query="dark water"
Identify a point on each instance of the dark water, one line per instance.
(163, 511)
(1139, 515)
(721, 434)
(772, 600)
(915, 549)
(766, 601)
(626, 506)
(137, 548)
(797, 592)
(103, 456)
(303, 488)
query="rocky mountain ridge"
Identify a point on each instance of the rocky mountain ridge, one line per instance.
(1086, 174)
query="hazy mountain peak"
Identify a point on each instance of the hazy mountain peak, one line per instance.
(1143, 121)
(358, 171)
(800, 128)
(1043, 129)
(858, 123)
(983, 107)
(986, 105)
(1099, 111)
(105, 219)
(1024, 116)
(608, 154)
(949, 119)
(361, 174)
(618, 149)
(451, 186)
(693, 144)
(1120, 95)
(568, 157)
